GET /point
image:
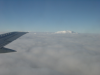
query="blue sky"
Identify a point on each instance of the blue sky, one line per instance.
(50, 15)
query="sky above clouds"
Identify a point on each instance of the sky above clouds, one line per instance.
(50, 15)
(52, 54)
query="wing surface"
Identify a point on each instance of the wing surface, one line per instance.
(9, 37)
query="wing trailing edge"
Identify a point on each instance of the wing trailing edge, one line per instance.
(8, 38)
(6, 50)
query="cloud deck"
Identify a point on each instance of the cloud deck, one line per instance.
(53, 54)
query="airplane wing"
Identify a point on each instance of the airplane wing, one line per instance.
(8, 38)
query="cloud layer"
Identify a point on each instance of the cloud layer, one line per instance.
(53, 54)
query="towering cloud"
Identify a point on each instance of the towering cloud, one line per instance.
(63, 32)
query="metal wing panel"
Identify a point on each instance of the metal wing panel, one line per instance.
(6, 50)
(9, 37)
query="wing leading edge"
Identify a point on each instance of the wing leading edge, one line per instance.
(8, 38)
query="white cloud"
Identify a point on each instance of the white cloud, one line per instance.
(34, 33)
(63, 32)
(51, 54)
